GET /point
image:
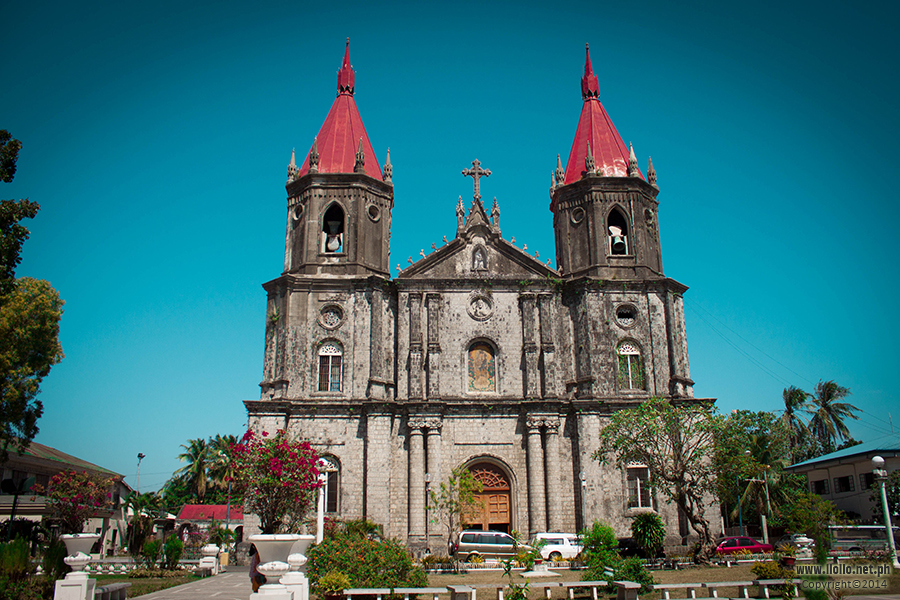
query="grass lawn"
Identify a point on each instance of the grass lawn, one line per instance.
(141, 586)
(689, 575)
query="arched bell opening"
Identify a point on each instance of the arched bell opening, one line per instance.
(333, 230)
(617, 227)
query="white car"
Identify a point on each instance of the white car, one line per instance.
(557, 546)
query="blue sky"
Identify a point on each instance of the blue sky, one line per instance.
(156, 139)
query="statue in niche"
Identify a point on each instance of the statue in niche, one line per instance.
(478, 261)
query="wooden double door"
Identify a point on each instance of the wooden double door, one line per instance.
(492, 508)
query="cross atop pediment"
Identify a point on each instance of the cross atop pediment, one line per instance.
(476, 173)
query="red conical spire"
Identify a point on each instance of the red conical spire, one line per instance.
(595, 134)
(342, 134)
(590, 88)
(346, 77)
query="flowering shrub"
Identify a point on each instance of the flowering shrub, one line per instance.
(75, 497)
(366, 562)
(279, 475)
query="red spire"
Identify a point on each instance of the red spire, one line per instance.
(596, 129)
(589, 86)
(343, 133)
(345, 75)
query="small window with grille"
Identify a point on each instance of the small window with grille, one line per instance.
(330, 367)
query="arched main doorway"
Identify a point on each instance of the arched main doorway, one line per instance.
(493, 508)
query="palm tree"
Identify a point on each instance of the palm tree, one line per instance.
(221, 471)
(197, 457)
(795, 402)
(828, 413)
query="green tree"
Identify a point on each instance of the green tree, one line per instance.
(675, 442)
(829, 413)
(30, 311)
(76, 496)
(195, 472)
(221, 465)
(649, 532)
(810, 514)
(453, 499)
(892, 489)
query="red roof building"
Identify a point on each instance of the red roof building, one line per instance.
(208, 512)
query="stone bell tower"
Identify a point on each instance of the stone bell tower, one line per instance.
(339, 202)
(604, 211)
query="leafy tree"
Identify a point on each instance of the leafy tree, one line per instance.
(144, 508)
(451, 501)
(280, 477)
(811, 515)
(220, 471)
(600, 548)
(76, 496)
(675, 442)
(829, 413)
(30, 310)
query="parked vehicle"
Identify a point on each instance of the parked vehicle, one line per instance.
(628, 547)
(557, 545)
(489, 544)
(855, 538)
(735, 544)
(797, 540)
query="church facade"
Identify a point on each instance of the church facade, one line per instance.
(478, 355)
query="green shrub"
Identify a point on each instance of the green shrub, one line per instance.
(172, 552)
(367, 562)
(436, 559)
(648, 532)
(150, 553)
(15, 560)
(633, 569)
(54, 560)
(773, 570)
(30, 588)
(600, 548)
(333, 582)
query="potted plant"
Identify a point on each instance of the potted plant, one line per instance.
(786, 554)
(332, 585)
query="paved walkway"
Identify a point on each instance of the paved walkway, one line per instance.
(233, 585)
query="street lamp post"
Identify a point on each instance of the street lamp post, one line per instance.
(141, 457)
(427, 502)
(881, 477)
(740, 511)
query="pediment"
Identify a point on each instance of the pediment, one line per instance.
(479, 254)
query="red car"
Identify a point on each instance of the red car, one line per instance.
(733, 545)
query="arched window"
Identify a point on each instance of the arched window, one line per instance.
(328, 466)
(631, 366)
(618, 232)
(330, 367)
(333, 230)
(482, 368)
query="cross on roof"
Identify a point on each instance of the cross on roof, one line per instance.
(476, 173)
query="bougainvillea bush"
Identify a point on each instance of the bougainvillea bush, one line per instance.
(366, 562)
(77, 496)
(279, 476)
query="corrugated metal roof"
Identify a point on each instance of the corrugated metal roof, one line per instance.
(67, 461)
(886, 444)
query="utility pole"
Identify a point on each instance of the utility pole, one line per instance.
(141, 457)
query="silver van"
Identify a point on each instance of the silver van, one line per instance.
(489, 544)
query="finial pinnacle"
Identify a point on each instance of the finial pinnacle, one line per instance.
(360, 166)
(388, 168)
(590, 88)
(633, 170)
(651, 174)
(476, 173)
(589, 166)
(346, 77)
(314, 156)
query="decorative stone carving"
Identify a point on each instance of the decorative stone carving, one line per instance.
(480, 307)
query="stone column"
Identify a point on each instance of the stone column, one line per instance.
(416, 481)
(435, 466)
(530, 348)
(536, 498)
(376, 388)
(415, 346)
(548, 350)
(433, 305)
(554, 489)
(377, 505)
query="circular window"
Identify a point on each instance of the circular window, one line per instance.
(625, 315)
(648, 217)
(331, 317)
(297, 212)
(373, 212)
(577, 215)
